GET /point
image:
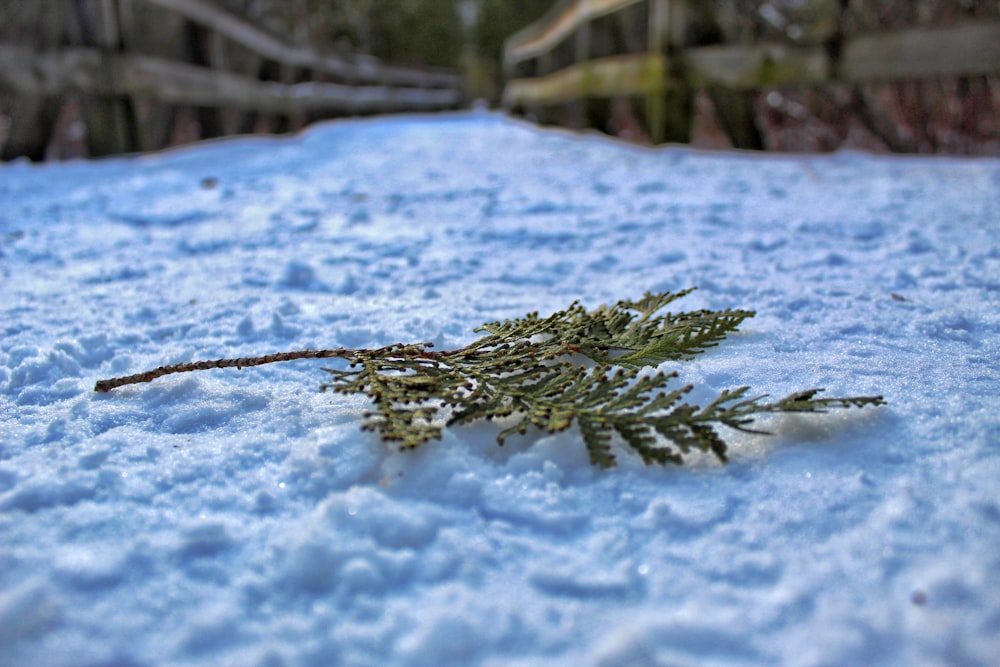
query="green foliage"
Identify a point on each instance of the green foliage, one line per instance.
(417, 32)
(575, 365)
(499, 19)
(405, 32)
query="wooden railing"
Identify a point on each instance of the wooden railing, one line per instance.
(580, 55)
(285, 80)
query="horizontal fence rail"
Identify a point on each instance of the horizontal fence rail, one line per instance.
(300, 81)
(631, 74)
(564, 19)
(363, 69)
(95, 72)
(554, 61)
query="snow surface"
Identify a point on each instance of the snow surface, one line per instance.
(241, 518)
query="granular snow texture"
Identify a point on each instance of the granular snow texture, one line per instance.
(242, 518)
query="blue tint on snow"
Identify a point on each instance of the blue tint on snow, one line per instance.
(241, 517)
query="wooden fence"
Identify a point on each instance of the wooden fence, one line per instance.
(270, 77)
(565, 67)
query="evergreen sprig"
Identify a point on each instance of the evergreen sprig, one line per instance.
(574, 366)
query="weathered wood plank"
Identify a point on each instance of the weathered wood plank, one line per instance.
(733, 67)
(749, 67)
(88, 70)
(52, 73)
(364, 69)
(633, 74)
(167, 81)
(564, 19)
(177, 83)
(962, 50)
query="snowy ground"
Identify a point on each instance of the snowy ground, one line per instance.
(240, 517)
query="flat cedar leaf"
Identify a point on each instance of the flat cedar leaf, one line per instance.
(597, 438)
(652, 302)
(530, 370)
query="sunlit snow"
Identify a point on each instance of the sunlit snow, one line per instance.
(242, 518)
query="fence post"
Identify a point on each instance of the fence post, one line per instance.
(582, 55)
(112, 126)
(205, 49)
(670, 112)
(32, 119)
(659, 10)
(737, 115)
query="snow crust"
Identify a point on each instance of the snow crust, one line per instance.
(241, 517)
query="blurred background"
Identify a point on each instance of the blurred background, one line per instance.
(87, 78)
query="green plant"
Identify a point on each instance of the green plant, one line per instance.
(587, 367)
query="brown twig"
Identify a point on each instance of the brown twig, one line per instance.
(243, 362)
(421, 350)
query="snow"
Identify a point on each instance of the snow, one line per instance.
(242, 518)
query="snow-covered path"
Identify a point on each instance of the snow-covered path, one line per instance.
(240, 517)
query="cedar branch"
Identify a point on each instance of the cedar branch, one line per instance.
(525, 368)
